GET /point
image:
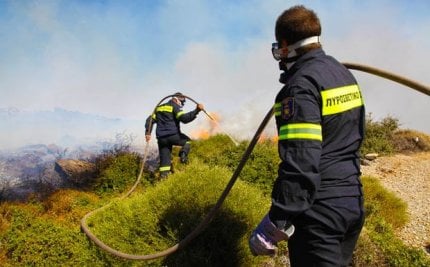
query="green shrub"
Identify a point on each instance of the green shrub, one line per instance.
(33, 241)
(218, 150)
(381, 203)
(367, 253)
(69, 206)
(378, 245)
(379, 135)
(260, 169)
(116, 173)
(395, 252)
(262, 166)
(168, 212)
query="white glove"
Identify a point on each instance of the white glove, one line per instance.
(266, 236)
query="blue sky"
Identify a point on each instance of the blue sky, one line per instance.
(119, 58)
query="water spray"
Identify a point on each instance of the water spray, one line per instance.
(206, 221)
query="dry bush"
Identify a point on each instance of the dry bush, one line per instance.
(405, 141)
(69, 205)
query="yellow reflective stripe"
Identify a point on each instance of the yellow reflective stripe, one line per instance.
(341, 99)
(277, 109)
(164, 109)
(164, 168)
(309, 131)
(154, 116)
(180, 113)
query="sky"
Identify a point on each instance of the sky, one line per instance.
(118, 59)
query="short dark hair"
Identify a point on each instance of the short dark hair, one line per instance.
(297, 23)
(179, 95)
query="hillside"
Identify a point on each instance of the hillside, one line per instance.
(408, 176)
(45, 230)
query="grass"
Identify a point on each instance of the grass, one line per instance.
(378, 245)
(168, 212)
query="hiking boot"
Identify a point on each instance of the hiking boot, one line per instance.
(164, 175)
(184, 157)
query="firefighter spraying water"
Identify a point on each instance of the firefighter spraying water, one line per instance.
(168, 117)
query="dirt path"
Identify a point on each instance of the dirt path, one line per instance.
(408, 176)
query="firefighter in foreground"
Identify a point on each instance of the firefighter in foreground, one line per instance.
(317, 198)
(168, 116)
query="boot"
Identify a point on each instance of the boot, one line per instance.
(184, 157)
(163, 175)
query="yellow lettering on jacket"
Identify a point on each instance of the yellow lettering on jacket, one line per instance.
(341, 99)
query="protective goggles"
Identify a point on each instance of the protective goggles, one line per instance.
(181, 100)
(276, 51)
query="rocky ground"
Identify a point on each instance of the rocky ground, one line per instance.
(408, 176)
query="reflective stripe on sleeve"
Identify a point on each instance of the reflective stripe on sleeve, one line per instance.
(165, 109)
(180, 113)
(341, 99)
(310, 131)
(277, 109)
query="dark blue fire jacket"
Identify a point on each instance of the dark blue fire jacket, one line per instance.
(320, 121)
(168, 116)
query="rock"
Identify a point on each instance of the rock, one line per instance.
(371, 156)
(76, 171)
(365, 162)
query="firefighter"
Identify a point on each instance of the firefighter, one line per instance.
(168, 116)
(317, 198)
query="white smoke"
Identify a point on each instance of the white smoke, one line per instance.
(102, 60)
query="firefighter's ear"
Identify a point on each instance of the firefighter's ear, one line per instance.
(284, 46)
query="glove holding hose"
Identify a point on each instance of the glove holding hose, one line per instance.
(265, 237)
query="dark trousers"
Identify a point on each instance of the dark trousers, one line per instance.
(327, 233)
(165, 145)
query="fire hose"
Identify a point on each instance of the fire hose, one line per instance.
(206, 221)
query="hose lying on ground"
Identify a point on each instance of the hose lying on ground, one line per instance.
(206, 221)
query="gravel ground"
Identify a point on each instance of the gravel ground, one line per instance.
(408, 176)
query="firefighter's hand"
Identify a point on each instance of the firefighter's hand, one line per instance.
(200, 107)
(266, 236)
(147, 137)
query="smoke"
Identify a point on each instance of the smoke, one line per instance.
(394, 46)
(118, 60)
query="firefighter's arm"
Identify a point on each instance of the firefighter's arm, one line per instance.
(299, 134)
(186, 117)
(300, 146)
(148, 127)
